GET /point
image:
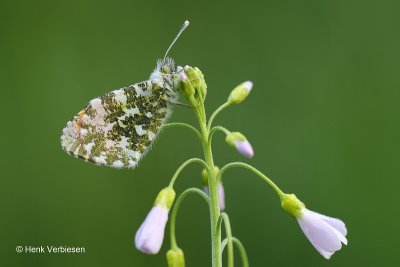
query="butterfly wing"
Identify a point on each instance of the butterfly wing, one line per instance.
(118, 128)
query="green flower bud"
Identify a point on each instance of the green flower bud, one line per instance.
(175, 258)
(204, 175)
(165, 198)
(202, 83)
(240, 92)
(193, 76)
(186, 85)
(196, 78)
(291, 204)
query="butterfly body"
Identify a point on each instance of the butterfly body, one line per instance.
(118, 128)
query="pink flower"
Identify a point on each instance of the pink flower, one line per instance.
(326, 234)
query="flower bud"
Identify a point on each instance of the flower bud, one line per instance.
(203, 85)
(185, 84)
(221, 191)
(196, 78)
(239, 94)
(241, 144)
(193, 76)
(175, 258)
(204, 175)
(150, 236)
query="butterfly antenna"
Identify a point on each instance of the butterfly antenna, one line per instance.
(184, 26)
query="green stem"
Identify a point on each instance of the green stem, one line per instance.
(212, 180)
(215, 129)
(182, 124)
(183, 165)
(224, 218)
(219, 128)
(254, 170)
(176, 208)
(240, 247)
(218, 110)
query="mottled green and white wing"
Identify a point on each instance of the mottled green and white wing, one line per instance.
(117, 129)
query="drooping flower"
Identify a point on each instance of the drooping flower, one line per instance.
(326, 234)
(241, 144)
(150, 236)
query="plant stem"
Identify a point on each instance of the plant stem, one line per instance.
(183, 165)
(257, 172)
(212, 182)
(225, 219)
(176, 208)
(218, 110)
(184, 125)
(240, 247)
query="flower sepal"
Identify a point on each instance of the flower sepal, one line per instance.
(291, 204)
(175, 258)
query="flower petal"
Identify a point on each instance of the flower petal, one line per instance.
(150, 235)
(327, 255)
(334, 222)
(245, 148)
(341, 237)
(319, 232)
(338, 226)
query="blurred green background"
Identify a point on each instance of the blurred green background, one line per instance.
(323, 118)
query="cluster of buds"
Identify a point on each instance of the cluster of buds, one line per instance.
(192, 83)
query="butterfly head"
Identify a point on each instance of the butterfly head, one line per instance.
(164, 70)
(166, 66)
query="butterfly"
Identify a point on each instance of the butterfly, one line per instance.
(118, 128)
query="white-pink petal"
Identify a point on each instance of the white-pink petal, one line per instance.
(248, 85)
(150, 236)
(321, 232)
(244, 148)
(335, 223)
